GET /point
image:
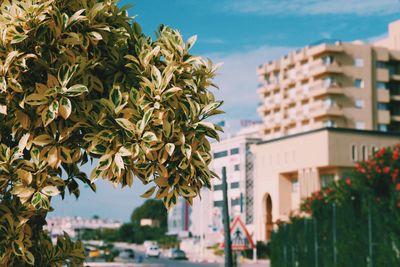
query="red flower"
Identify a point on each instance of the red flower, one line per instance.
(395, 155)
(348, 181)
(386, 169)
(398, 187)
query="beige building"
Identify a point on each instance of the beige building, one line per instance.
(325, 107)
(349, 85)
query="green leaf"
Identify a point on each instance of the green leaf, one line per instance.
(170, 93)
(116, 96)
(170, 147)
(126, 124)
(146, 119)
(149, 137)
(76, 90)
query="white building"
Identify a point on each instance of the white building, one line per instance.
(179, 219)
(234, 154)
(58, 225)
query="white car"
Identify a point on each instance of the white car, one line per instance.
(153, 251)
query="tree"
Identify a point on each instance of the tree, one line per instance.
(151, 209)
(79, 81)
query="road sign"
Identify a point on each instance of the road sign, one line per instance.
(240, 237)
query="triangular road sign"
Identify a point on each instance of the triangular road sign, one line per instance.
(240, 237)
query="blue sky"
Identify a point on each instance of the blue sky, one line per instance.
(242, 34)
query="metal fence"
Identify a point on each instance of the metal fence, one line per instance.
(348, 235)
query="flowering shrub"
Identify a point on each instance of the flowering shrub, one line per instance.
(348, 219)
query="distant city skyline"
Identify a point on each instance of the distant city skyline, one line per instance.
(242, 34)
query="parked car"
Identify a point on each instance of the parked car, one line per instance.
(153, 251)
(125, 255)
(177, 254)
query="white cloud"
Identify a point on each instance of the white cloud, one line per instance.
(313, 7)
(238, 80)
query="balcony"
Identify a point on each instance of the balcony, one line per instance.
(320, 109)
(396, 118)
(319, 88)
(382, 75)
(300, 55)
(288, 60)
(395, 97)
(318, 68)
(383, 95)
(395, 76)
(384, 117)
(272, 66)
(324, 48)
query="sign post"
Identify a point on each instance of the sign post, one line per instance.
(240, 237)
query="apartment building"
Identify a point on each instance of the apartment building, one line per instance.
(179, 219)
(325, 107)
(348, 85)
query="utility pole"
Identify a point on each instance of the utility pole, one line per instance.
(225, 216)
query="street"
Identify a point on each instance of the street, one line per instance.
(161, 262)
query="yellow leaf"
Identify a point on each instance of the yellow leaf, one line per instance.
(50, 190)
(149, 192)
(43, 140)
(24, 176)
(36, 100)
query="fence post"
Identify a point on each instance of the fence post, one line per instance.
(315, 244)
(370, 248)
(334, 234)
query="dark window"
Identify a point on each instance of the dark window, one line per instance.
(237, 167)
(364, 153)
(234, 185)
(235, 202)
(381, 65)
(382, 106)
(218, 203)
(234, 151)
(326, 179)
(353, 152)
(220, 154)
(217, 187)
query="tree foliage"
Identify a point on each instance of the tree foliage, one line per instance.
(151, 209)
(79, 81)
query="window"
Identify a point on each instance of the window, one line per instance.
(364, 151)
(306, 109)
(359, 103)
(217, 187)
(359, 83)
(380, 85)
(235, 202)
(295, 185)
(329, 102)
(220, 154)
(234, 151)
(237, 167)
(360, 125)
(218, 203)
(329, 81)
(353, 153)
(306, 88)
(328, 60)
(234, 185)
(359, 62)
(381, 65)
(382, 127)
(326, 179)
(329, 123)
(382, 106)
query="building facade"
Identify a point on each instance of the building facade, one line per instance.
(179, 219)
(234, 154)
(348, 85)
(325, 107)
